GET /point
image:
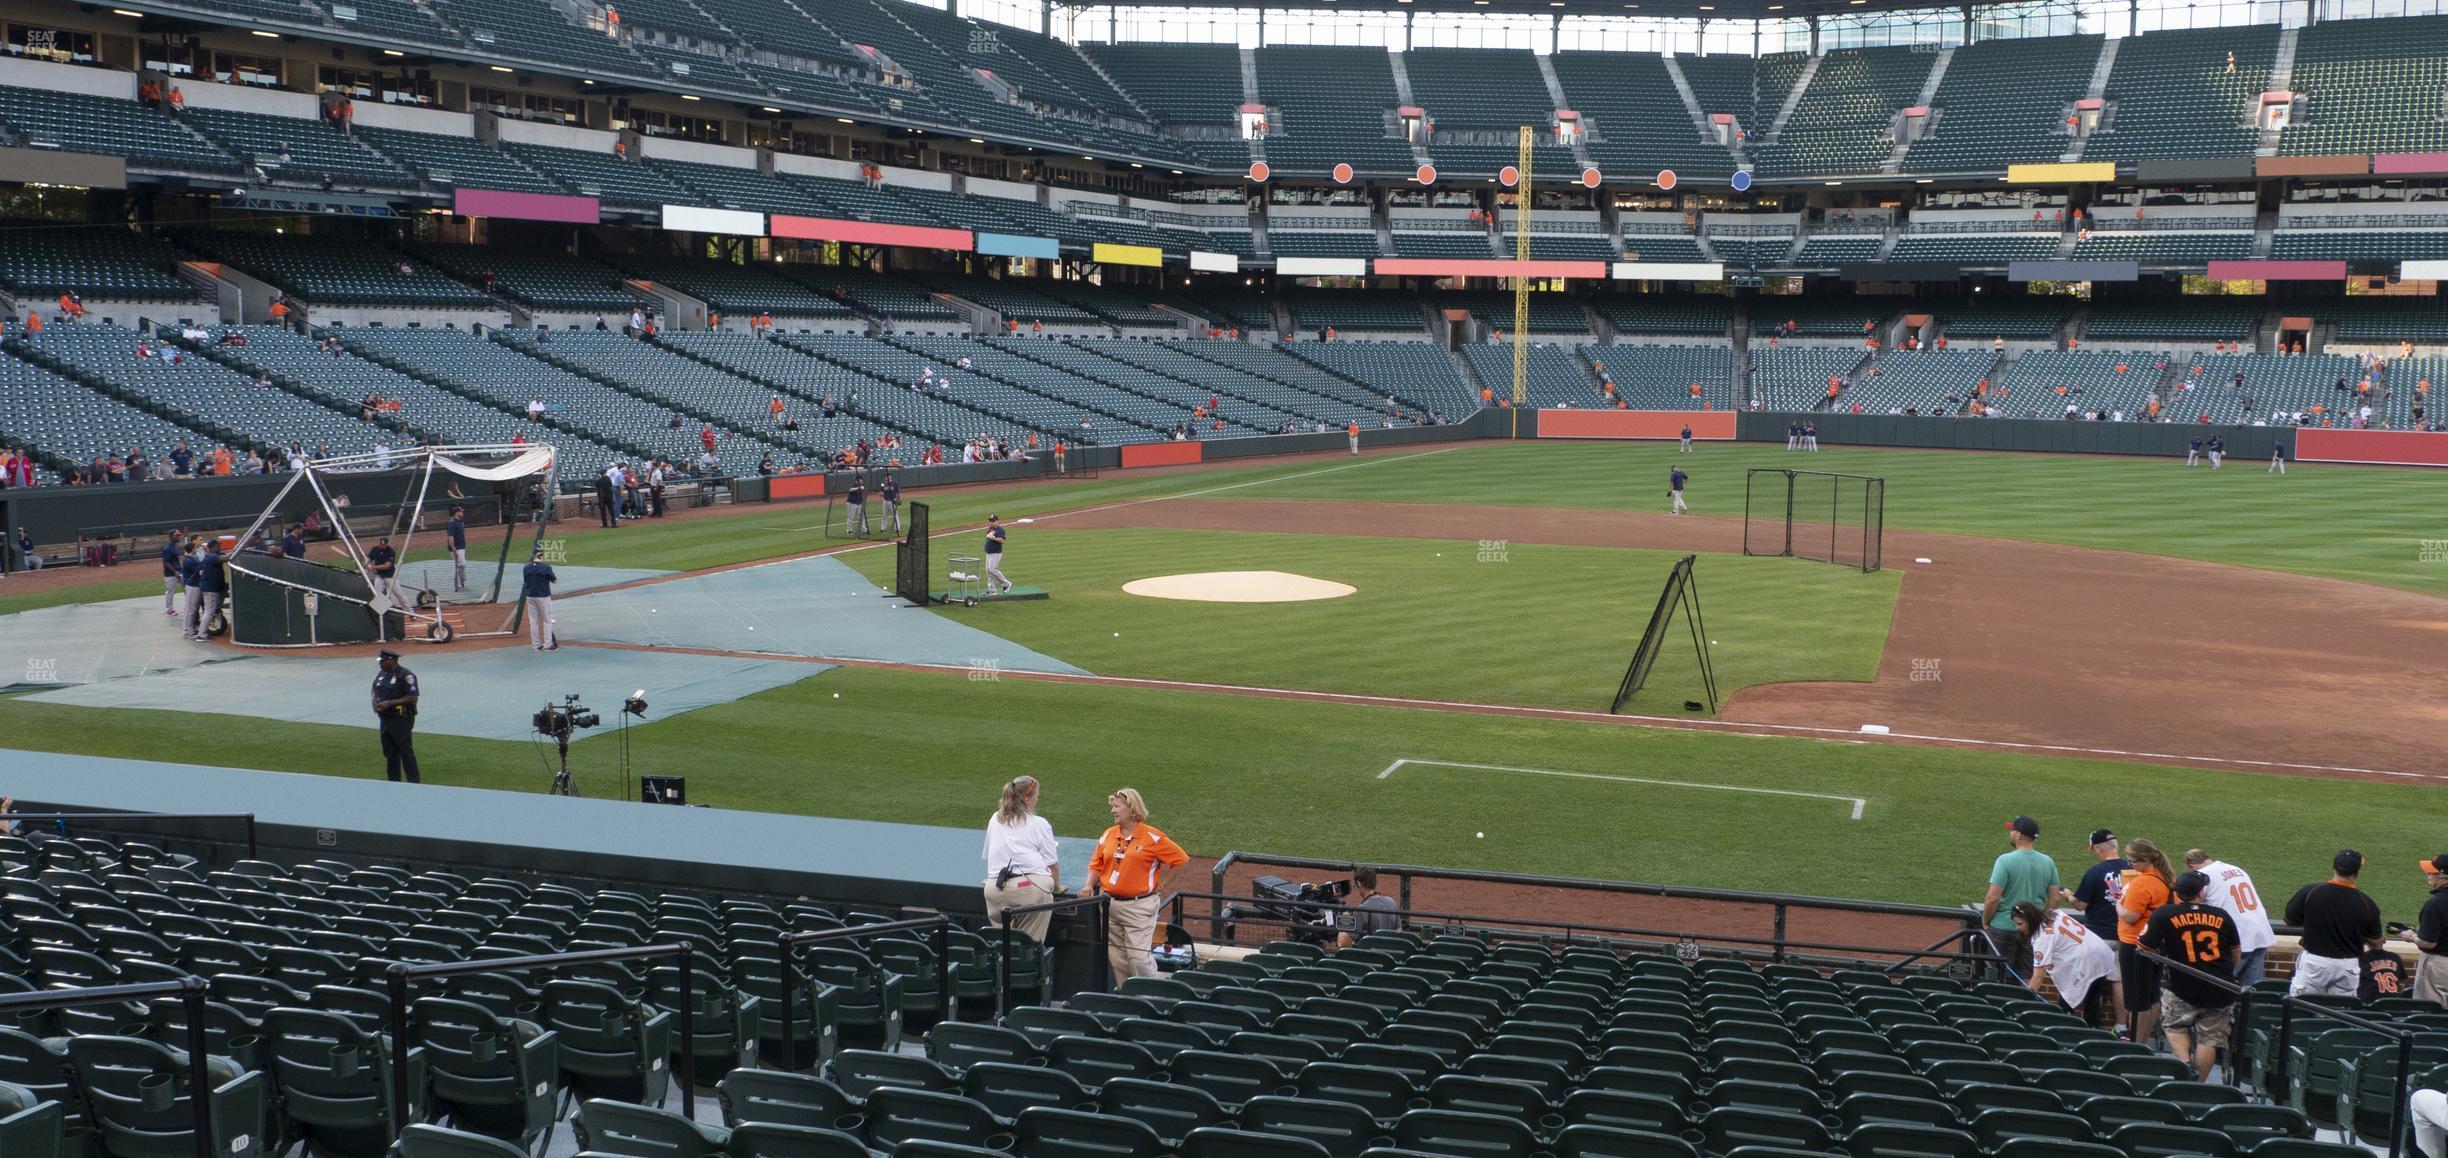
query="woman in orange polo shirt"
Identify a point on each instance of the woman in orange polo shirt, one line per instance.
(1133, 861)
(2145, 889)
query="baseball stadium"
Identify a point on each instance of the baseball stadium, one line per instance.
(1336, 579)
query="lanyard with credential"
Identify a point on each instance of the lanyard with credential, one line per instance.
(1122, 847)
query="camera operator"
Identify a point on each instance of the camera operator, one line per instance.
(1021, 853)
(1374, 912)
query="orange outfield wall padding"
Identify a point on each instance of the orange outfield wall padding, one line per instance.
(1709, 425)
(1162, 454)
(795, 486)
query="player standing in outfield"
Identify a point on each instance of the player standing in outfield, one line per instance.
(857, 498)
(1674, 490)
(1793, 436)
(2218, 450)
(191, 575)
(2231, 888)
(890, 491)
(2194, 1010)
(2193, 452)
(1810, 437)
(1686, 438)
(1352, 432)
(171, 584)
(2277, 457)
(456, 529)
(535, 586)
(996, 535)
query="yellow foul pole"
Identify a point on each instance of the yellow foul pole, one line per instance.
(1521, 282)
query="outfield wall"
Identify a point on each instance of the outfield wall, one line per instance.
(2056, 436)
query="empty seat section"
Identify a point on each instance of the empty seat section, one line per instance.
(1478, 99)
(1665, 313)
(456, 162)
(1844, 123)
(1637, 121)
(731, 288)
(1421, 372)
(817, 379)
(1662, 377)
(147, 137)
(71, 421)
(41, 260)
(539, 278)
(1926, 381)
(1796, 377)
(2003, 102)
(335, 272)
(298, 150)
(2371, 86)
(1331, 105)
(201, 393)
(615, 180)
(2170, 94)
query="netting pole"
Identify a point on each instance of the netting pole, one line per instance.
(1521, 281)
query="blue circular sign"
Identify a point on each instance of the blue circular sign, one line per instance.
(1742, 180)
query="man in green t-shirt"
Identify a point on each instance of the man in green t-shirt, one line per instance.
(2022, 873)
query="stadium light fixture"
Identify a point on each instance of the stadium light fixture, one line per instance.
(1924, 181)
(769, 108)
(393, 52)
(501, 68)
(845, 120)
(125, 12)
(977, 140)
(266, 35)
(687, 97)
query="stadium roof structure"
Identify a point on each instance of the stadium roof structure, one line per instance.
(1653, 9)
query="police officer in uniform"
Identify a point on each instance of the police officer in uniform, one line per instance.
(858, 503)
(456, 530)
(890, 491)
(395, 705)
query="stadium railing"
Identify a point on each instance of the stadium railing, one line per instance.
(1003, 977)
(1780, 949)
(191, 993)
(1779, 904)
(398, 977)
(111, 820)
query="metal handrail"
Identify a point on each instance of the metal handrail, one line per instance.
(248, 817)
(190, 991)
(789, 942)
(2287, 1005)
(1099, 901)
(1523, 928)
(1404, 874)
(401, 973)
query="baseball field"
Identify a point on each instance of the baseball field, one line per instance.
(2232, 660)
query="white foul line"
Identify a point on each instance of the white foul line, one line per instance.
(1856, 801)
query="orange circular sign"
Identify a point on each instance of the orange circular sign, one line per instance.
(1343, 174)
(1666, 179)
(1509, 175)
(1426, 175)
(1258, 171)
(1590, 177)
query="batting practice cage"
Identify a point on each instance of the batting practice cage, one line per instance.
(1682, 594)
(506, 491)
(1809, 514)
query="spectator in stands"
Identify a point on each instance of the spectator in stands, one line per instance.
(2380, 972)
(1133, 862)
(2231, 62)
(2065, 950)
(765, 465)
(2430, 933)
(2143, 889)
(2021, 873)
(1024, 868)
(2195, 1009)
(2336, 919)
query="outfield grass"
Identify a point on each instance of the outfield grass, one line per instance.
(1522, 624)
(1227, 772)
(2346, 522)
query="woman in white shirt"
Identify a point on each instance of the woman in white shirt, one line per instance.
(2063, 947)
(1022, 865)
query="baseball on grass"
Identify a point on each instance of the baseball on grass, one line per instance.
(1480, 835)
(837, 695)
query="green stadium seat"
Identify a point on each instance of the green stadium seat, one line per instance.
(783, 1098)
(423, 1141)
(1170, 1111)
(31, 1124)
(138, 1094)
(1906, 1140)
(1218, 1142)
(1342, 1128)
(609, 1127)
(1593, 1141)
(898, 1114)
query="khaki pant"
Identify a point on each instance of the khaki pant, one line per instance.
(2431, 978)
(1130, 931)
(540, 623)
(1024, 890)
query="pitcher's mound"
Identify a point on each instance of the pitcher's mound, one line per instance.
(1238, 587)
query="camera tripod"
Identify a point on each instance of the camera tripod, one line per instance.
(562, 785)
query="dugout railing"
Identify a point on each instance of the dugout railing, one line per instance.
(789, 946)
(1780, 905)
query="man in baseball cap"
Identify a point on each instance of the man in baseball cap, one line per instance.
(2337, 920)
(2097, 893)
(2019, 874)
(2193, 1008)
(2431, 933)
